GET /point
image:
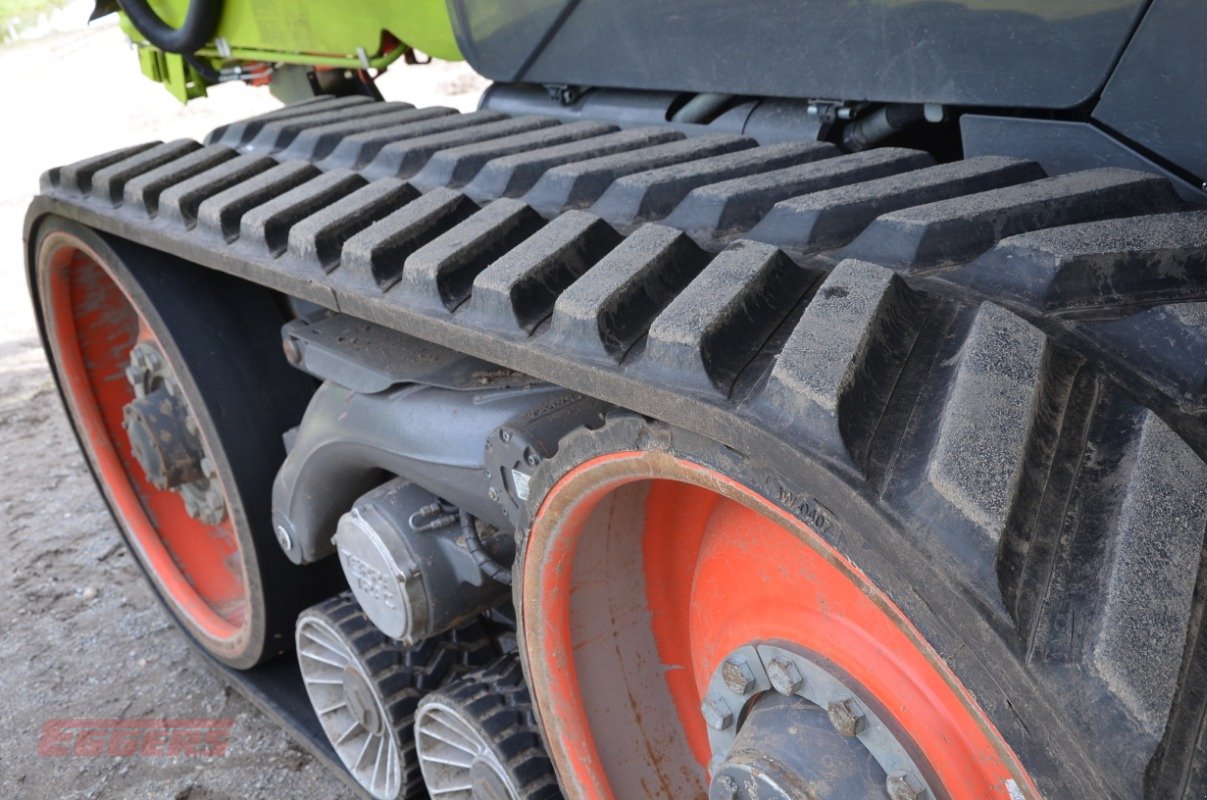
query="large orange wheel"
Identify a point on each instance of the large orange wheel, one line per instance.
(650, 582)
(208, 552)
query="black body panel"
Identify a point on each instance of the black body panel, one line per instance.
(1158, 95)
(1032, 53)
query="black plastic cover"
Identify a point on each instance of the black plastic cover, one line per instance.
(1035, 53)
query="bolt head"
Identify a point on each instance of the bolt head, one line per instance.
(284, 539)
(785, 676)
(716, 712)
(532, 459)
(846, 716)
(737, 676)
(493, 494)
(903, 786)
(505, 435)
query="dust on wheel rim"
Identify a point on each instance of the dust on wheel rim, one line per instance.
(92, 324)
(623, 629)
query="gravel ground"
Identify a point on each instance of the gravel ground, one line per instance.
(83, 637)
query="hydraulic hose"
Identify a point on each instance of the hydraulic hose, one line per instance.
(473, 543)
(199, 26)
(882, 123)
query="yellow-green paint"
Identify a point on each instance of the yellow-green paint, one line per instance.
(318, 32)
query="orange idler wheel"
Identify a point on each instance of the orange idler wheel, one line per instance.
(668, 611)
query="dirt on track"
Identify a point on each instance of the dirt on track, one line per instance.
(83, 638)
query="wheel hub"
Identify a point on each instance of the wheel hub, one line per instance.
(164, 436)
(361, 704)
(788, 750)
(784, 726)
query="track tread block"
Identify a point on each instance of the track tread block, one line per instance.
(220, 214)
(579, 184)
(831, 218)
(654, 193)
(243, 131)
(606, 311)
(835, 373)
(319, 238)
(317, 142)
(953, 231)
(710, 332)
(1150, 578)
(1153, 258)
(278, 134)
(441, 273)
(109, 182)
(269, 223)
(181, 201)
(405, 158)
(358, 149)
(145, 189)
(77, 176)
(722, 209)
(517, 292)
(376, 256)
(455, 167)
(515, 174)
(987, 419)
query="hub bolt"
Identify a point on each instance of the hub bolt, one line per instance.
(717, 714)
(785, 676)
(903, 786)
(737, 675)
(846, 716)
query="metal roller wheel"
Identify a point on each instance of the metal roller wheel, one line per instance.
(477, 739)
(365, 688)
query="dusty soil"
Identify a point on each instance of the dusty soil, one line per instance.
(82, 635)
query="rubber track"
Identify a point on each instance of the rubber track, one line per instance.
(1015, 364)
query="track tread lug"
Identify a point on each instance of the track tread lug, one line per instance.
(317, 142)
(243, 131)
(654, 193)
(268, 224)
(278, 134)
(403, 159)
(579, 184)
(77, 176)
(180, 203)
(723, 209)
(109, 182)
(145, 189)
(518, 291)
(831, 218)
(515, 174)
(357, 150)
(950, 232)
(607, 310)
(441, 273)
(710, 332)
(220, 214)
(319, 239)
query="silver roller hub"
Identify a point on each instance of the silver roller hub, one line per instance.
(349, 708)
(457, 762)
(781, 726)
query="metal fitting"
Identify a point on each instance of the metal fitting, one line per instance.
(716, 712)
(785, 676)
(737, 676)
(846, 716)
(903, 786)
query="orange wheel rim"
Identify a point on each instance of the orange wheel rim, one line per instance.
(716, 567)
(92, 324)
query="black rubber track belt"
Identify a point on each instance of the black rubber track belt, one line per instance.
(1009, 368)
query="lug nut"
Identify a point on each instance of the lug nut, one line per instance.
(716, 712)
(785, 676)
(737, 675)
(846, 716)
(903, 786)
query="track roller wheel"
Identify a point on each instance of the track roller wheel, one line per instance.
(477, 739)
(685, 636)
(365, 688)
(175, 383)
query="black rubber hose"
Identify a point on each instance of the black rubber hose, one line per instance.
(473, 544)
(199, 25)
(882, 123)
